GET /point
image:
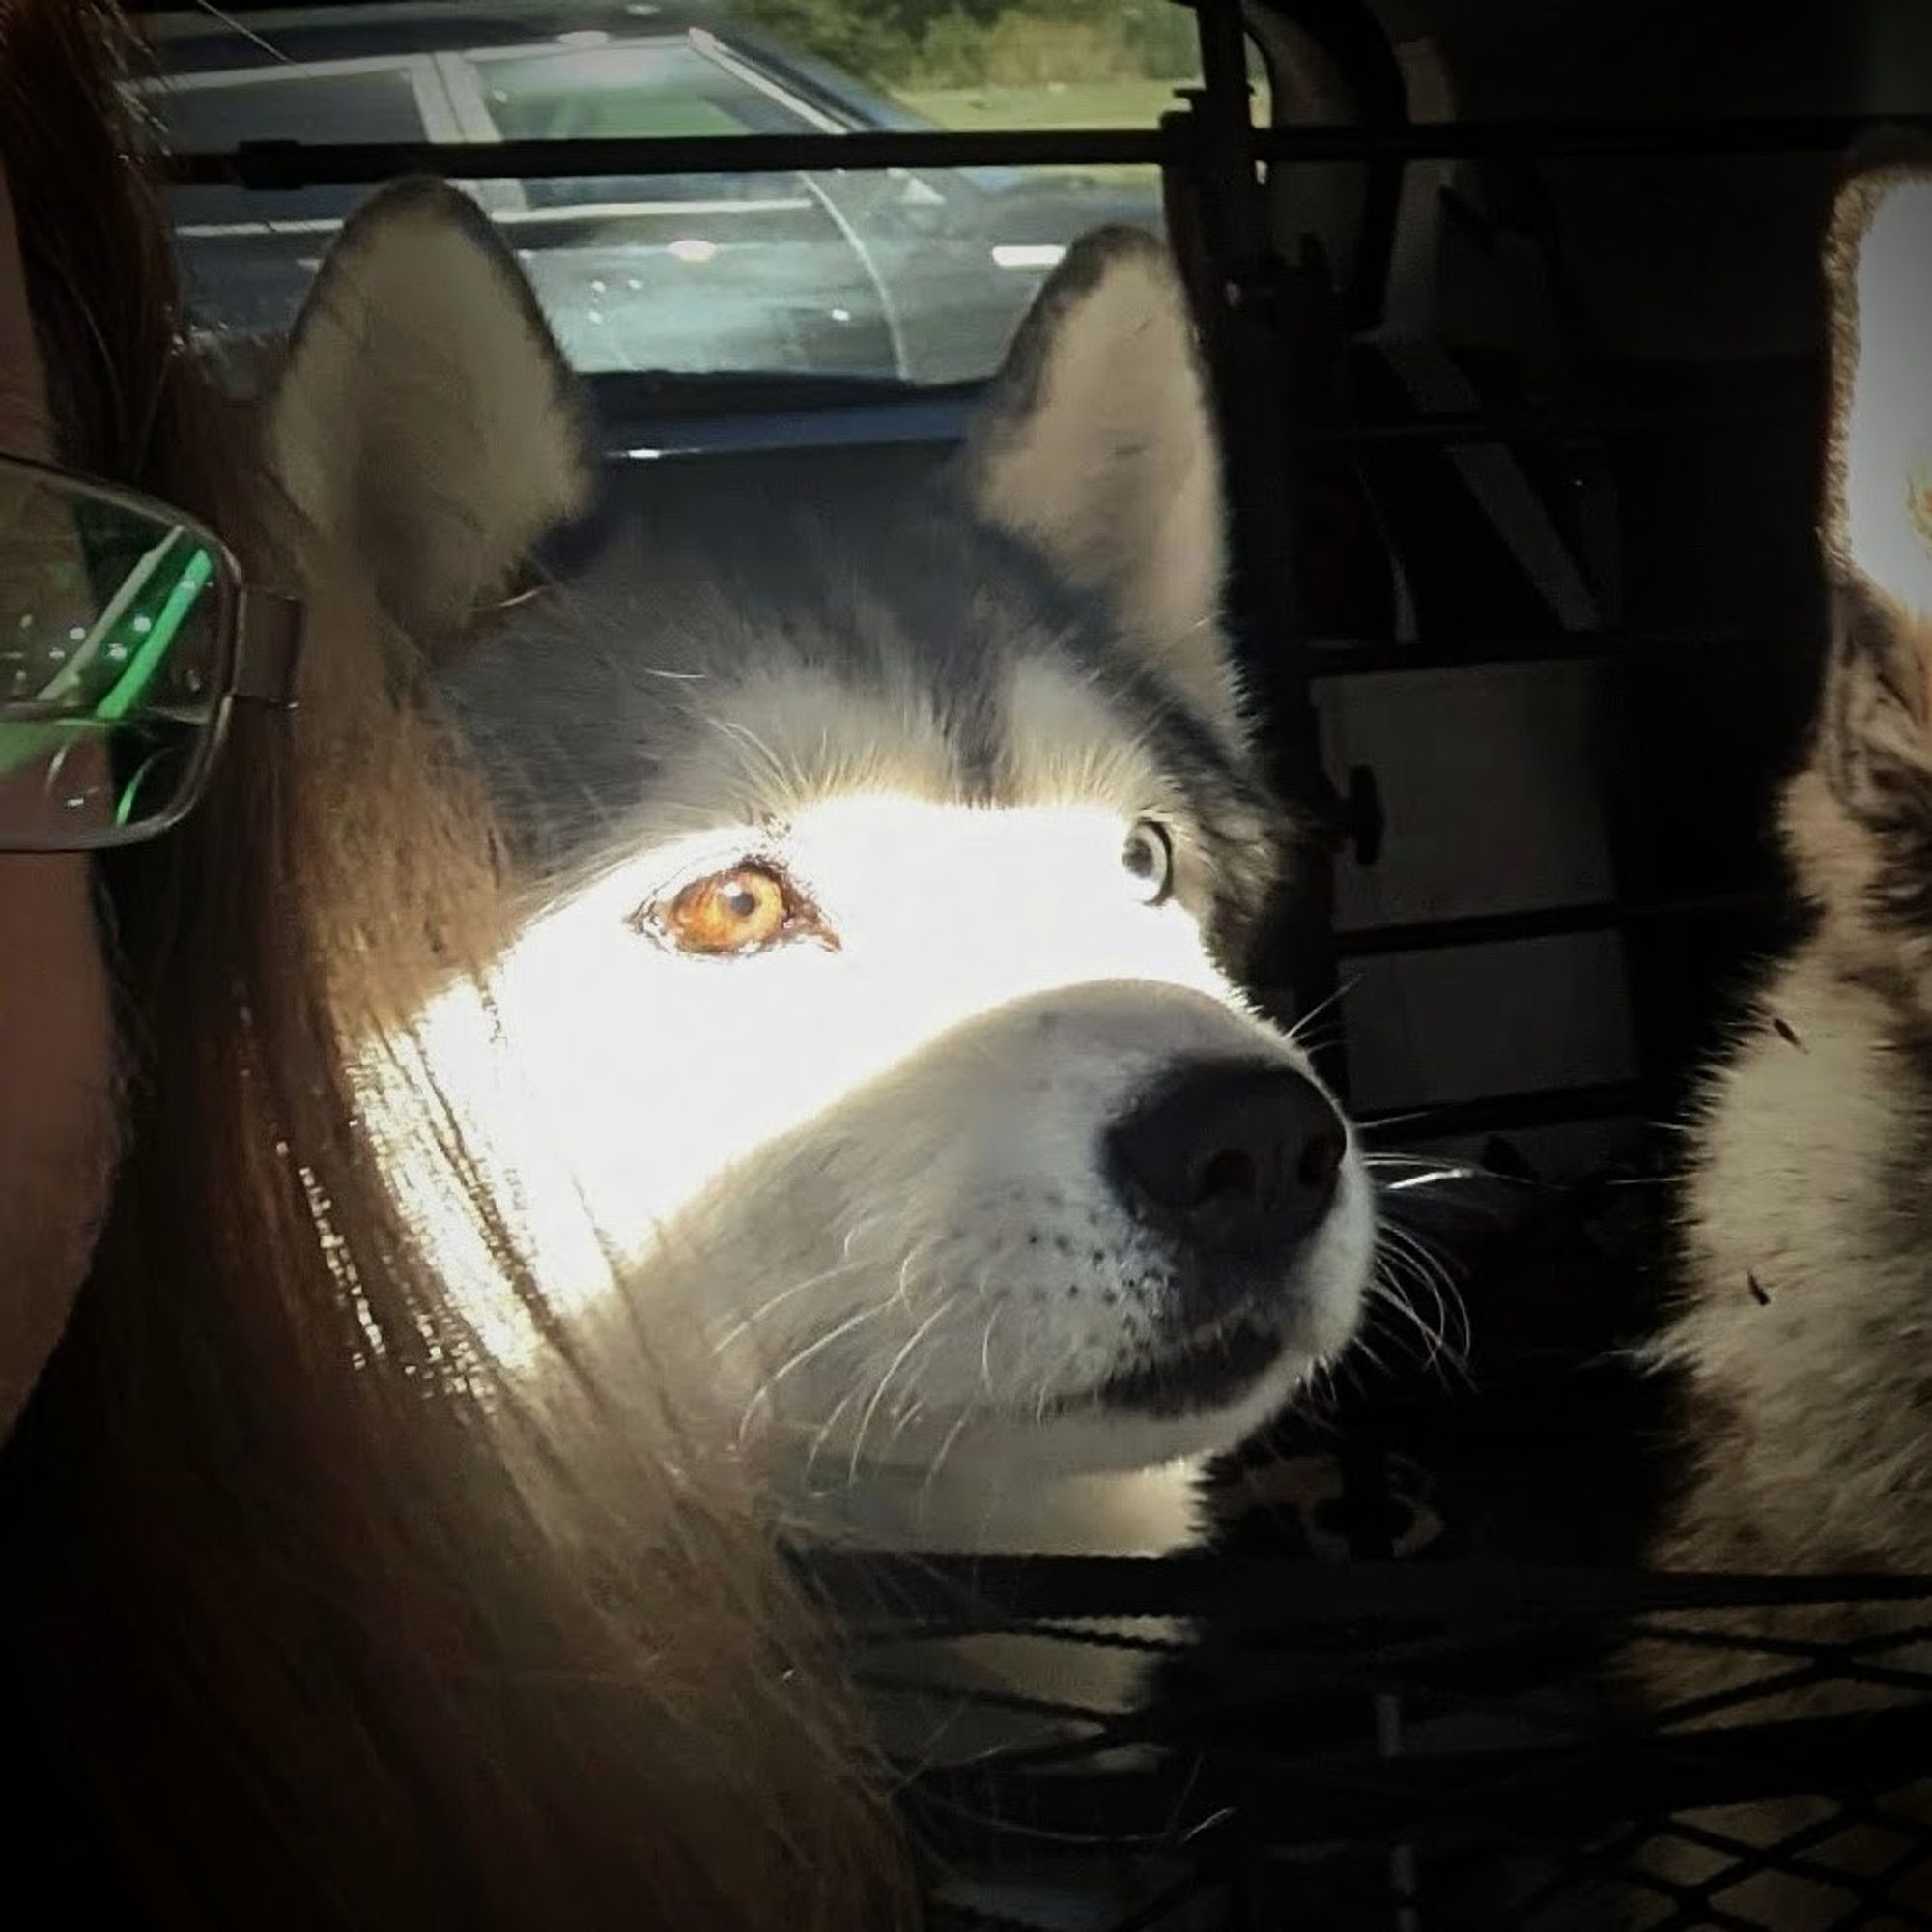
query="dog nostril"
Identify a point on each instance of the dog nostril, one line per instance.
(1235, 1158)
(1231, 1174)
(1321, 1160)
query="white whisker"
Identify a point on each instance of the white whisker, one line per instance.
(1404, 1255)
(1446, 1299)
(986, 1348)
(893, 1368)
(1387, 1292)
(1049, 1386)
(740, 1329)
(1298, 1033)
(952, 1435)
(824, 1431)
(804, 1355)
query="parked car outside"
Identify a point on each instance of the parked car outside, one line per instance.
(916, 274)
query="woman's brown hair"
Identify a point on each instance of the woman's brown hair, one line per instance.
(306, 1619)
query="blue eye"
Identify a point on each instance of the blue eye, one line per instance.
(1147, 858)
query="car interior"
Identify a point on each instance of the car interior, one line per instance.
(1516, 323)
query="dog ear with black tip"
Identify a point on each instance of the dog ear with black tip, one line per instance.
(1096, 445)
(424, 419)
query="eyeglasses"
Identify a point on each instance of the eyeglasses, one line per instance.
(126, 635)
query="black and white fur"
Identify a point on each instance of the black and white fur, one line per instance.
(877, 1172)
(1804, 1334)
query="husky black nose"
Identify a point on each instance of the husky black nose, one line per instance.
(1237, 1159)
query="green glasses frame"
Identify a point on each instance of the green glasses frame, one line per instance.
(185, 573)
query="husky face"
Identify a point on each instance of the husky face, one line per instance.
(872, 995)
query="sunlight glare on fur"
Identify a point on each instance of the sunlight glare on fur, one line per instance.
(604, 1083)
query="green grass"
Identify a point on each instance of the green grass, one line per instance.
(1063, 103)
(1075, 103)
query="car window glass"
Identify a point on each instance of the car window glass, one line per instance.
(359, 103)
(657, 88)
(916, 275)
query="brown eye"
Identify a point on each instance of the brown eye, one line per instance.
(749, 909)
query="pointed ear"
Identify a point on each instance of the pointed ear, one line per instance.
(1096, 445)
(424, 419)
(1858, 816)
(1876, 717)
(1878, 496)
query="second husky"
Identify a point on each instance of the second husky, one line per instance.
(1804, 1334)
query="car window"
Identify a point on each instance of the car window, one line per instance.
(658, 88)
(664, 86)
(914, 274)
(355, 102)
(699, 273)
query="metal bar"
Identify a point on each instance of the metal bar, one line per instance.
(1447, 431)
(1350, 36)
(1498, 928)
(1604, 139)
(293, 164)
(1265, 353)
(1521, 1113)
(1242, 291)
(1217, 226)
(1283, 1596)
(1560, 425)
(1371, 657)
(1443, 432)
(290, 164)
(1469, 1797)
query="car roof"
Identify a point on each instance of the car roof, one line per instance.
(429, 23)
(201, 42)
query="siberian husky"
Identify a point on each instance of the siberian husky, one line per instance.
(1805, 1333)
(885, 884)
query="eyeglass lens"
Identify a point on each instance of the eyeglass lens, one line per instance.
(110, 661)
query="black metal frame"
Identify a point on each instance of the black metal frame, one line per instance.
(293, 164)
(1309, 1774)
